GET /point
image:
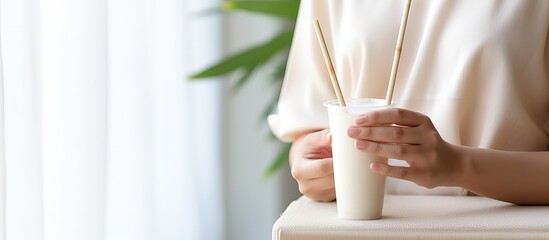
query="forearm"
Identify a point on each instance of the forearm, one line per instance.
(516, 177)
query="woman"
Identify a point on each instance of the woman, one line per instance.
(471, 102)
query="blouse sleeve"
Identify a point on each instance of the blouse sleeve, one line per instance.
(306, 83)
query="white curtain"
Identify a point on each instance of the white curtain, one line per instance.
(101, 135)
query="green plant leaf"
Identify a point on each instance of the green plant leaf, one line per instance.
(251, 58)
(276, 80)
(271, 106)
(258, 54)
(280, 160)
(244, 78)
(272, 137)
(279, 73)
(277, 8)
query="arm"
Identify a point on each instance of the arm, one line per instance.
(516, 177)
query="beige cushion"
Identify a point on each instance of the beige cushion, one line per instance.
(417, 217)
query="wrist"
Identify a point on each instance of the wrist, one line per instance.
(463, 166)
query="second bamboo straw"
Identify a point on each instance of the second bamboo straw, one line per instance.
(398, 50)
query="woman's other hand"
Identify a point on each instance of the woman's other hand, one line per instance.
(312, 166)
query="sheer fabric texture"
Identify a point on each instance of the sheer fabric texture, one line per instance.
(96, 123)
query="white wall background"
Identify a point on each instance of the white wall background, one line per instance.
(252, 204)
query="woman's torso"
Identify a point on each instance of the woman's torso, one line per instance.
(477, 68)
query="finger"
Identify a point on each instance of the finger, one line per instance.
(396, 116)
(319, 184)
(318, 153)
(396, 151)
(323, 196)
(394, 134)
(309, 169)
(318, 145)
(405, 173)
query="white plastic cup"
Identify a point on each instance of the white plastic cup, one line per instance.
(359, 191)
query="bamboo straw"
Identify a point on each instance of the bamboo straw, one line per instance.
(398, 50)
(329, 64)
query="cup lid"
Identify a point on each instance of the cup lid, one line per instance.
(358, 103)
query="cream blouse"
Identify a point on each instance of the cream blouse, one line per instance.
(479, 69)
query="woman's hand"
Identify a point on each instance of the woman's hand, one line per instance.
(311, 164)
(409, 136)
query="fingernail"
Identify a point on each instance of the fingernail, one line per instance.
(361, 119)
(329, 136)
(411, 163)
(361, 144)
(353, 132)
(376, 167)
